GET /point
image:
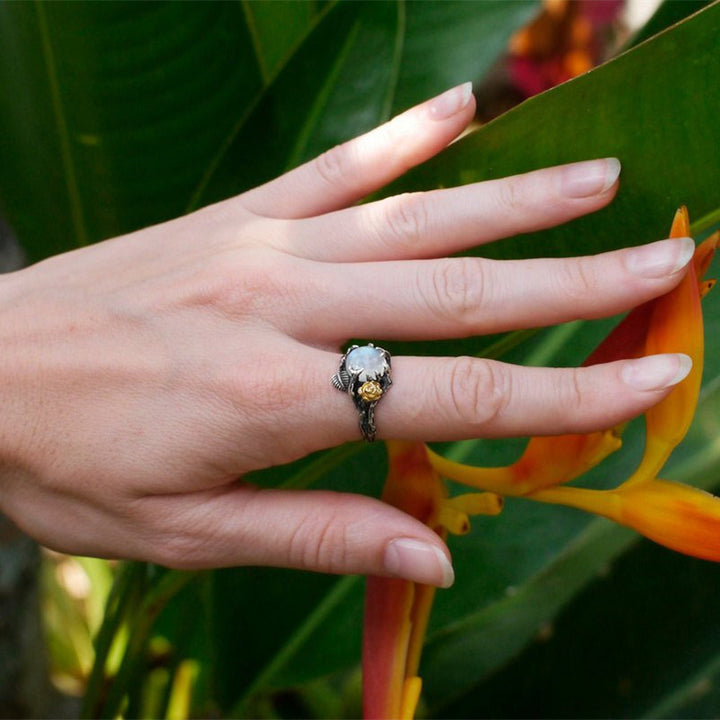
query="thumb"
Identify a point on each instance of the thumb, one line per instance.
(305, 529)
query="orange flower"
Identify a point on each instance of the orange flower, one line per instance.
(680, 517)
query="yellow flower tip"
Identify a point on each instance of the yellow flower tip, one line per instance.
(454, 521)
(706, 286)
(485, 503)
(681, 223)
(410, 697)
(677, 516)
(454, 512)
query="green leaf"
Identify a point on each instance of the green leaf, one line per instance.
(450, 42)
(338, 85)
(111, 112)
(363, 61)
(275, 29)
(635, 643)
(654, 107)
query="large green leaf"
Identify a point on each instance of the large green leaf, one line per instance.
(111, 112)
(448, 42)
(332, 89)
(275, 29)
(364, 61)
(660, 638)
(654, 107)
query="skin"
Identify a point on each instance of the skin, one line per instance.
(144, 376)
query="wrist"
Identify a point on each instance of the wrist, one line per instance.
(14, 369)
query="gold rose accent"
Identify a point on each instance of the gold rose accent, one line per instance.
(370, 391)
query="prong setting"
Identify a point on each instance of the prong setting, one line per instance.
(364, 373)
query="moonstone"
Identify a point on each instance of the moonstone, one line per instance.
(368, 363)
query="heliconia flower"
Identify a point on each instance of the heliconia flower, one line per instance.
(397, 611)
(678, 516)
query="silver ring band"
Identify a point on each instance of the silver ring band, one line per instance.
(364, 374)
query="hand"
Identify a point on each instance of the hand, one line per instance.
(141, 377)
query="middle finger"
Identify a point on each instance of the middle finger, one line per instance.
(458, 297)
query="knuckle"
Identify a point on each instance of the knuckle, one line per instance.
(177, 552)
(252, 284)
(393, 135)
(576, 280)
(318, 543)
(180, 539)
(456, 290)
(478, 391)
(336, 165)
(266, 392)
(508, 196)
(573, 395)
(405, 219)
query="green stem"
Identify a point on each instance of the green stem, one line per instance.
(116, 609)
(705, 222)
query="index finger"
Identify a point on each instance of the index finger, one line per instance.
(346, 173)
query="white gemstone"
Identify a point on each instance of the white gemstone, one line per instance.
(368, 363)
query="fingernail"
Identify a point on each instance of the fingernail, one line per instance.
(593, 177)
(656, 372)
(661, 258)
(418, 561)
(450, 102)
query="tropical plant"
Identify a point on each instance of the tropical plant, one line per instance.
(117, 115)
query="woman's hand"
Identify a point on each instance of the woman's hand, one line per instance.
(141, 377)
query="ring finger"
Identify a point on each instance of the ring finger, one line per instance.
(455, 398)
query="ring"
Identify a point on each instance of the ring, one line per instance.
(364, 374)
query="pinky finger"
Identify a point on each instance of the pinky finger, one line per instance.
(309, 530)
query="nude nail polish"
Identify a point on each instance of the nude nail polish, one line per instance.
(659, 259)
(418, 561)
(592, 177)
(450, 102)
(656, 372)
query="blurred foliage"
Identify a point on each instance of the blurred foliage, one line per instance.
(74, 592)
(117, 115)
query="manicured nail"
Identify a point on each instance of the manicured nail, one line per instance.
(656, 372)
(418, 561)
(593, 177)
(661, 258)
(450, 102)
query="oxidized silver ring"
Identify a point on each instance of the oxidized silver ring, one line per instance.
(364, 374)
